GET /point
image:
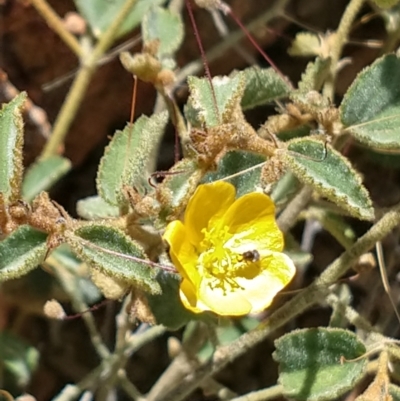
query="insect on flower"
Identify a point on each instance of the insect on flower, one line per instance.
(228, 251)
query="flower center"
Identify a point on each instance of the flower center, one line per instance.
(221, 263)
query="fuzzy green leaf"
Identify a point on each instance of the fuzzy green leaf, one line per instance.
(100, 14)
(64, 256)
(310, 366)
(116, 255)
(43, 174)
(167, 307)
(203, 109)
(11, 143)
(21, 252)
(237, 162)
(336, 225)
(314, 76)
(95, 208)
(165, 26)
(371, 107)
(18, 358)
(305, 44)
(263, 86)
(180, 184)
(285, 188)
(330, 174)
(127, 156)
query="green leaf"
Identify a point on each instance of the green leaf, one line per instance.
(114, 254)
(167, 307)
(307, 96)
(263, 86)
(330, 174)
(203, 109)
(11, 143)
(237, 162)
(100, 14)
(180, 184)
(21, 252)
(336, 225)
(305, 44)
(95, 208)
(165, 26)
(127, 156)
(285, 188)
(371, 107)
(310, 366)
(66, 258)
(18, 358)
(43, 174)
(314, 76)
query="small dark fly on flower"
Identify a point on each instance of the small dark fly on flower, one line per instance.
(251, 256)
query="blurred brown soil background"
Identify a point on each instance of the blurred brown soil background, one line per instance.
(33, 56)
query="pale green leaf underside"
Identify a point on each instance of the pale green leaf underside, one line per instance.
(203, 109)
(43, 174)
(109, 250)
(95, 207)
(11, 142)
(21, 252)
(330, 174)
(310, 365)
(99, 14)
(263, 86)
(165, 26)
(370, 110)
(126, 158)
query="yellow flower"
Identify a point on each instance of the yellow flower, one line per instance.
(228, 252)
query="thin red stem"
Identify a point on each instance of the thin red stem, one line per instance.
(203, 54)
(254, 43)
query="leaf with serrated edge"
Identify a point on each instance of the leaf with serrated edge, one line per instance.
(180, 183)
(201, 109)
(330, 174)
(314, 76)
(263, 86)
(21, 252)
(43, 174)
(11, 143)
(99, 14)
(237, 162)
(310, 365)
(115, 254)
(370, 109)
(95, 208)
(164, 25)
(127, 156)
(167, 307)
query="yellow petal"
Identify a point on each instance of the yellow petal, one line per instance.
(261, 290)
(229, 303)
(278, 265)
(251, 221)
(255, 293)
(188, 295)
(182, 252)
(208, 204)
